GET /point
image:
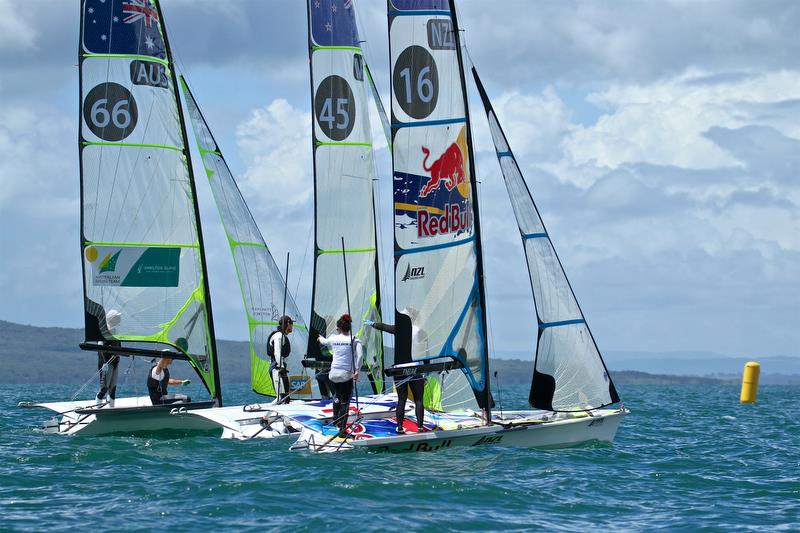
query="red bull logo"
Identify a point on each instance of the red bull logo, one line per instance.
(450, 213)
(448, 169)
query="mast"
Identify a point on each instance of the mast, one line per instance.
(188, 158)
(487, 395)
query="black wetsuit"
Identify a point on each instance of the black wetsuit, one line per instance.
(107, 364)
(157, 389)
(415, 383)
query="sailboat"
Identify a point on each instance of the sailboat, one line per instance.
(439, 273)
(141, 240)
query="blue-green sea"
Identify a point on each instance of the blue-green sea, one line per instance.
(687, 458)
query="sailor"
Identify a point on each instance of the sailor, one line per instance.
(108, 362)
(158, 381)
(416, 382)
(347, 355)
(278, 349)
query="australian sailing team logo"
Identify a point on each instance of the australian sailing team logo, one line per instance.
(109, 262)
(447, 189)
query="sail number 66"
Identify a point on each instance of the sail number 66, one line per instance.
(110, 111)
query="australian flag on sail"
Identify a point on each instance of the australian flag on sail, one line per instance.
(122, 27)
(333, 22)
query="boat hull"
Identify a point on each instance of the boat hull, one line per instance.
(601, 427)
(265, 421)
(130, 416)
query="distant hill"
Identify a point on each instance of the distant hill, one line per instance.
(32, 354)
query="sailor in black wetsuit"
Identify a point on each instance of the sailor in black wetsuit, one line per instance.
(416, 382)
(158, 381)
(107, 362)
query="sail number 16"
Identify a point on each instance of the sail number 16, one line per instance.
(416, 82)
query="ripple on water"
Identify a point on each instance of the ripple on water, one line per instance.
(687, 458)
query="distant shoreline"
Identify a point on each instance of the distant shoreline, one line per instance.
(49, 355)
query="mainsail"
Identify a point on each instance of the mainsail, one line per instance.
(569, 373)
(439, 295)
(263, 287)
(343, 183)
(141, 240)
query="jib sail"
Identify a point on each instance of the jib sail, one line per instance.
(569, 373)
(260, 280)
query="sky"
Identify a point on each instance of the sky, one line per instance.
(661, 141)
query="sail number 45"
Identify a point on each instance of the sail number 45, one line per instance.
(341, 110)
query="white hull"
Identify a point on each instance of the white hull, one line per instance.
(136, 415)
(554, 433)
(270, 420)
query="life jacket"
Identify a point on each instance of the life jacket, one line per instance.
(286, 347)
(156, 388)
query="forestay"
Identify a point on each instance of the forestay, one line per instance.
(569, 373)
(140, 231)
(439, 304)
(343, 183)
(263, 287)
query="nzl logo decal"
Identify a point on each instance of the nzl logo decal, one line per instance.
(413, 273)
(489, 439)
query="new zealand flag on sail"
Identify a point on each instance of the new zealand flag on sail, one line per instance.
(122, 27)
(333, 23)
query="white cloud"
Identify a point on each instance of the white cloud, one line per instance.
(275, 144)
(16, 33)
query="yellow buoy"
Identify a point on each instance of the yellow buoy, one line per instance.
(750, 382)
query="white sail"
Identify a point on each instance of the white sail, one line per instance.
(263, 287)
(343, 183)
(569, 373)
(140, 229)
(439, 299)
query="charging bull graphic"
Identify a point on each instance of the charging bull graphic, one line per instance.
(449, 168)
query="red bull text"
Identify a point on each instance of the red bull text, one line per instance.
(454, 219)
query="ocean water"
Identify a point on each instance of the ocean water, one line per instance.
(687, 458)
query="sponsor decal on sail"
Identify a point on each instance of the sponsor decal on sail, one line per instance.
(413, 273)
(448, 186)
(134, 266)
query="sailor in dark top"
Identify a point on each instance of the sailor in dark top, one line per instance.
(108, 362)
(403, 383)
(158, 381)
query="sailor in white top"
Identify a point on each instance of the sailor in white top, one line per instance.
(348, 353)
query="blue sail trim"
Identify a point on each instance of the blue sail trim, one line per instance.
(398, 125)
(447, 349)
(398, 253)
(526, 236)
(394, 13)
(545, 325)
(504, 154)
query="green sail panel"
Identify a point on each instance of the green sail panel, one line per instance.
(141, 239)
(343, 184)
(439, 300)
(262, 285)
(569, 373)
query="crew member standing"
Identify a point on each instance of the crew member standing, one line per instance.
(347, 355)
(108, 362)
(416, 382)
(278, 349)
